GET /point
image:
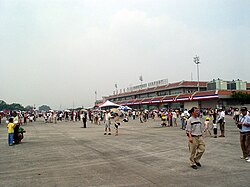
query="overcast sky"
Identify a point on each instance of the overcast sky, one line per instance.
(58, 52)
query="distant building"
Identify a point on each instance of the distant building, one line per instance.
(183, 94)
(219, 84)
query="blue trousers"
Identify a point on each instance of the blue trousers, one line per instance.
(10, 138)
(183, 123)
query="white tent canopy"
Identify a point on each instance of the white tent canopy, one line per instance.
(108, 104)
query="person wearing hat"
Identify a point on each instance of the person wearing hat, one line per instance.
(194, 131)
(244, 127)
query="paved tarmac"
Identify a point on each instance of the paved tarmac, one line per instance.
(66, 155)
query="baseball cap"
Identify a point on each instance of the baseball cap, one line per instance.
(243, 109)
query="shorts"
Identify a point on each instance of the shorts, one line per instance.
(117, 125)
(174, 119)
(107, 124)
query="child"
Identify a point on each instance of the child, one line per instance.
(163, 118)
(207, 128)
(10, 128)
(117, 123)
(215, 130)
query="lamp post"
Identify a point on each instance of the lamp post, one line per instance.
(141, 79)
(197, 62)
(95, 96)
(116, 88)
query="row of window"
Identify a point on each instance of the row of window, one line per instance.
(154, 94)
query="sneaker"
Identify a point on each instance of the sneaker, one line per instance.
(198, 164)
(243, 157)
(109, 133)
(105, 133)
(194, 167)
(248, 160)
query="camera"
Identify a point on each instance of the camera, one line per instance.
(239, 125)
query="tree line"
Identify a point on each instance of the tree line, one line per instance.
(17, 106)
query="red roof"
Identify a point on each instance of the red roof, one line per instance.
(224, 92)
(203, 93)
(184, 95)
(193, 83)
(158, 88)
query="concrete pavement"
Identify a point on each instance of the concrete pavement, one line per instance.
(64, 154)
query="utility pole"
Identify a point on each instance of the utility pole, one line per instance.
(197, 62)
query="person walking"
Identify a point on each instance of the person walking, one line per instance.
(10, 128)
(16, 128)
(141, 116)
(244, 126)
(222, 121)
(194, 130)
(84, 119)
(215, 129)
(174, 116)
(83, 116)
(117, 123)
(107, 121)
(236, 115)
(133, 114)
(207, 127)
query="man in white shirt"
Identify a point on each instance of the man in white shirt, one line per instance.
(107, 121)
(221, 121)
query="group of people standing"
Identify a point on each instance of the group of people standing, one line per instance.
(15, 132)
(195, 129)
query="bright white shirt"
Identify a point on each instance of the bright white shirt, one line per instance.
(222, 115)
(174, 114)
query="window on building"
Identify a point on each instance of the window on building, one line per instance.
(143, 96)
(152, 94)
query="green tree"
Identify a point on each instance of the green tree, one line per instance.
(3, 105)
(13, 106)
(243, 98)
(28, 108)
(44, 108)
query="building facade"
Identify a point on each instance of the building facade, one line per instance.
(183, 94)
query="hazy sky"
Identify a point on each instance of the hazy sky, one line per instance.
(58, 52)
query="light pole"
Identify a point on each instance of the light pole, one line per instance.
(197, 62)
(141, 79)
(116, 86)
(95, 96)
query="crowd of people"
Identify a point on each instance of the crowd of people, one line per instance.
(186, 120)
